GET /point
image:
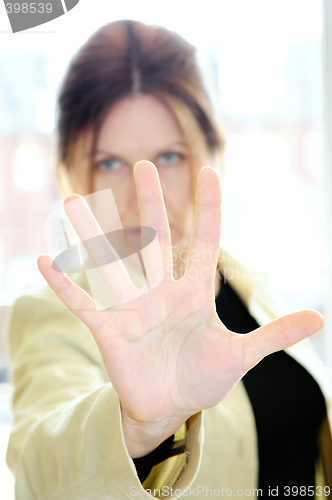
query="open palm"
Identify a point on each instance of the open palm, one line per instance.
(169, 355)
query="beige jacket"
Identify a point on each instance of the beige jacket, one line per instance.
(67, 443)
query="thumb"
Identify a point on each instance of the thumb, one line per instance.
(281, 333)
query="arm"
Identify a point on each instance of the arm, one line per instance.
(67, 438)
(168, 355)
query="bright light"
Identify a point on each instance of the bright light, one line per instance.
(45, 101)
(29, 166)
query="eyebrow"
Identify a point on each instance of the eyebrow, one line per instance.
(179, 143)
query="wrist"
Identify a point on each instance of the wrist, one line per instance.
(143, 438)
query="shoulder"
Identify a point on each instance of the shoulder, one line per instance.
(41, 301)
(39, 310)
(252, 284)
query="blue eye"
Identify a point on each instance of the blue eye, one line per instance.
(169, 157)
(110, 164)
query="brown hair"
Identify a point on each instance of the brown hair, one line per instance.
(123, 58)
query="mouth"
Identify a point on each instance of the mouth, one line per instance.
(136, 230)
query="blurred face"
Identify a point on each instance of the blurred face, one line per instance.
(141, 127)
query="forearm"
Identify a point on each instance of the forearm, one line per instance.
(67, 440)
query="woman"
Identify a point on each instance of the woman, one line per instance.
(108, 403)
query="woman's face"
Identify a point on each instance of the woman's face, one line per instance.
(142, 127)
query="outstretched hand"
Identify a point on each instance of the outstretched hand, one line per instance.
(169, 356)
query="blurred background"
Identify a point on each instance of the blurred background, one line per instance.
(263, 64)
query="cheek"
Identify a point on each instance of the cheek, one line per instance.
(99, 182)
(102, 182)
(176, 185)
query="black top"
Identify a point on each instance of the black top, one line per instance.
(287, 403)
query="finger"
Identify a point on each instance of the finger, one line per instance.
(281, 333)
(103, 256)
(74, 297)
(205, 238)
(153, 214)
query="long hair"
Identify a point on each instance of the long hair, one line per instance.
(129, 57)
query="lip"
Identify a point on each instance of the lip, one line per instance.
(135, 230)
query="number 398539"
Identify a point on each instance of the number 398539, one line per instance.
(31, 8)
